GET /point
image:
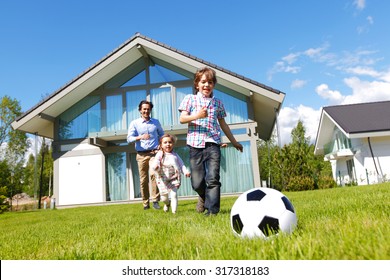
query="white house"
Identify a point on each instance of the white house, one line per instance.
(88, 120)
(356, 140)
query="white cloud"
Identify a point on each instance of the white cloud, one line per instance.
(298, 83)
(360, 70)
(360, 4)
(316, 52)
(365, 28)
(286, 64)
(364, 82)
(293, 70)
(361, 90)
(288, 120)
(333, 96)
(366, 91)
(362, 29)
(360, 57)
(291, 58)
(385, 76)
(374, 87)
(281, 66)
(370, 72)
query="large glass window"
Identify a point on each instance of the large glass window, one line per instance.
(116, 184)
(134, 175)
(236, 109)
(120, 108)
(160, 74)
(114, 115)
(180, 94)
(186, 187)
(133, 98)
(239, 164)
(139, 79)
(77, 120)
(232, 162)
(162, 105)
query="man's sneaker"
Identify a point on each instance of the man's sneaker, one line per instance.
(166, 208)
(146, 207)
(156, 205)
(200, 205)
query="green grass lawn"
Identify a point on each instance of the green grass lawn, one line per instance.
(349, 223)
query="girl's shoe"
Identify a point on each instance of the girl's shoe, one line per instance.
(166, 208)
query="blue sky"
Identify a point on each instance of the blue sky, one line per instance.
(319, 53)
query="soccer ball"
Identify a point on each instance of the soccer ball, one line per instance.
(262, 212)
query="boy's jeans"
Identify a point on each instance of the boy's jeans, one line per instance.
(205, 165)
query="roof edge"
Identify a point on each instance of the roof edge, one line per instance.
(123, 45)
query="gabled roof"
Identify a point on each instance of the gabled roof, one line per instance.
(355, 121)
(40, 119)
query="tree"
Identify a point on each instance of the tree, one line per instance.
(294, 166)
(16, 141)
(5, 174)
(14, 145)
(272, 161)
(39, 171)
(3, 204)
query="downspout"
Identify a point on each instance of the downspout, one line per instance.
(372, 155)
(279, 141)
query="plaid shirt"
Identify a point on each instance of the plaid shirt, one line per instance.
(206, 128)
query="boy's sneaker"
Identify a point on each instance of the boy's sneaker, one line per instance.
(166, 208)
(200, 205)
(156, 205)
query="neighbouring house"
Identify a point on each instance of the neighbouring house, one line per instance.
(356, 140)
(88, 120)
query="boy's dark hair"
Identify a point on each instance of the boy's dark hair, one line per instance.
(145, 102)
(210, 75)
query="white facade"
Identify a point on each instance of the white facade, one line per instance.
(364, 170)
(356, 140)
(373, 168)
(79, 176)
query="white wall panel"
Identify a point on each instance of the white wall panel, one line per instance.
(81, 179)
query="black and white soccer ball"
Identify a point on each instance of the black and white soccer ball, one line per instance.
(262, 212)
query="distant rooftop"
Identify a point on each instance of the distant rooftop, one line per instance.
(361, 118)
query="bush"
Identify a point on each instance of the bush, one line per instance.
(326, 182)
(300, 183)
(4, 205)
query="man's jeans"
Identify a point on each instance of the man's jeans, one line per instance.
(205, 165)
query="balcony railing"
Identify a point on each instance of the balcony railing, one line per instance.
(338, 148)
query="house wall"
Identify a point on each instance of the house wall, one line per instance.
(366, 171)
(79, 175)
(340, 172)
